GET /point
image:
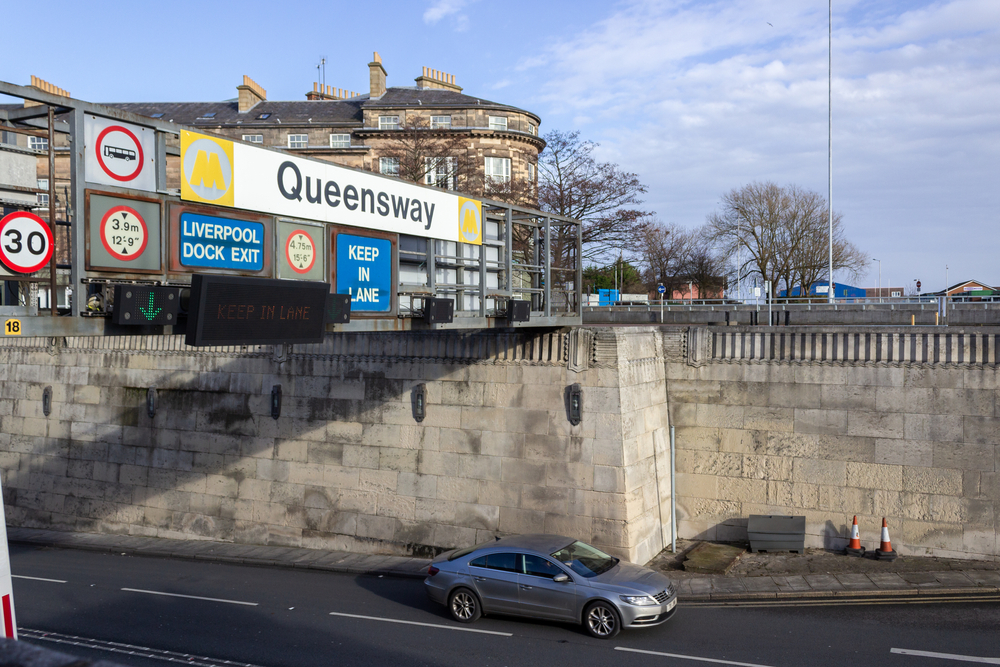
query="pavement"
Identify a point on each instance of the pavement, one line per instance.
(748, 577)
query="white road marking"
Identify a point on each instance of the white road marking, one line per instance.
(51, 581)
(947, 656)
(426, 625)
(842, 602)
(128, 649)
(690, 657)
(190, 597)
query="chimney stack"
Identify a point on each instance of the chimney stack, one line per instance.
(46, 87)
(376, 77)
(251, 94)
(432, 78)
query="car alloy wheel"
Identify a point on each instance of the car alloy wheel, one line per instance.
(601, 620)
(464, 605)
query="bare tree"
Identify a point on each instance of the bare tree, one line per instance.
(664, 251)
(781, 234)
(433, 156)
(599, 194)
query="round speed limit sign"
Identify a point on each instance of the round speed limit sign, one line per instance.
(123, 233)
(300, 251)
(25, 242)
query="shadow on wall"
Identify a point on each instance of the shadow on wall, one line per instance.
(345, 467)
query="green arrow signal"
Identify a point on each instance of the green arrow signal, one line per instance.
(150, 314)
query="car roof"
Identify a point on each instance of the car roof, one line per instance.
(540, 543)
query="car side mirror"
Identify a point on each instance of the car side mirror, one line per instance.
(559, 578)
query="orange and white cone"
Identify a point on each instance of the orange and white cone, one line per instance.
(854, 547)
(884, 551)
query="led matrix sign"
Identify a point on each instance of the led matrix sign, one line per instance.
(230, 310)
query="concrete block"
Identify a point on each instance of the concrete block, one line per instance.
(521, 521)
(879, 376)
(400, 460)
(933, 377)
(376, 527)
(769, 419)
(792, 494)
(445, 464)
(904, 452)
(743, 442)
(356, 456)
(819, 472)
(545, 499)
(875, 476)
(419, 486)
(483, 517)
(461, 441)
(830, 422)
(523, 472)
(457, 489)
(501, 494)
(848, 397)
(875, 424)
(964, 457)
(981, 430)
(948, 428)
(720, 416)
(483, 419)
(758, 466)
(845, 500)
(739, 490)
(932, 480)
(609, 479)
(725, 464)
(378, 481)
(794, 396)
(700, 438)
(932, 535)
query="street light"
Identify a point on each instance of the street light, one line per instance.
(829, 142)
(879, 278)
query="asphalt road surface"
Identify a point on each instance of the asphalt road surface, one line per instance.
(155, 612)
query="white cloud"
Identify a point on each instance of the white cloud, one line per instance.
(701, 97)
(441, 9)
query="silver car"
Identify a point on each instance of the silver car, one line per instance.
(551, 577)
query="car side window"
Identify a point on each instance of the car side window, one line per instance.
(505, 562)
(479, 562)
(540, 567)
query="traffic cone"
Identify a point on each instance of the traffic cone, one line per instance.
(884, 551)
(854, 548)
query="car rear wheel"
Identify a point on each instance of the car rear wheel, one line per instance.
(464, 605)
(601, 620)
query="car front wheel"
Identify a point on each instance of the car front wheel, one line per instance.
(601, 620)
(464, 605)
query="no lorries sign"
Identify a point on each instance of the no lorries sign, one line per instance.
(25, 242)
(119, 153)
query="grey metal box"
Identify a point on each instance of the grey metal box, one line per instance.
(776, 532)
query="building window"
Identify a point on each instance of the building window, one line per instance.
(263, 116)
(389, 166)
(896, 293)
(531, 172)
(440, 122)
(254, 138)
(498, 123)
(498, 169)
(532, 129)
(38, 143)
(43, 198)
(298, 140)
(157, 115)
(440, 172)
(207, 114)
(388, 122)
(340, 141)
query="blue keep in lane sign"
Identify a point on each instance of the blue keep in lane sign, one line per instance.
(364, 270)
(221, 243)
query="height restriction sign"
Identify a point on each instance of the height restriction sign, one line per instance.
(124, 233)
(300, 250)
(119, 153)
(25, 242)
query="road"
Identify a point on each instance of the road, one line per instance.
(218, 614)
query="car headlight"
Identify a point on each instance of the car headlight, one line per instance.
(638, 600)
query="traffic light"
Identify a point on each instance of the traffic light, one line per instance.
(138, 305)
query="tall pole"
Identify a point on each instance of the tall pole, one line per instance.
(829, 142)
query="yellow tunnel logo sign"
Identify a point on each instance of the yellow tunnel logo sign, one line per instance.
(206, 169)
(470, 221)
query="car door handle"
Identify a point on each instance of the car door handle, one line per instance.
(480, 578)
(525, 588)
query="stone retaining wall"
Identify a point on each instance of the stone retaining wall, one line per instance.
(902, 423)
(346, 465)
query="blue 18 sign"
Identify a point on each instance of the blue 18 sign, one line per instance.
(364, 270)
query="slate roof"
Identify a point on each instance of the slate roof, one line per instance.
(322, 112)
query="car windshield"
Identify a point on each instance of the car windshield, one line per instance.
(585, 560)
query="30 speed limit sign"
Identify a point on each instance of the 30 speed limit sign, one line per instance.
(25, 242)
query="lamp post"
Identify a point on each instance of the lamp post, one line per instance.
(829, 141)
(879, 278)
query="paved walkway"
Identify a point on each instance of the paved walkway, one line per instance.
(690, 588)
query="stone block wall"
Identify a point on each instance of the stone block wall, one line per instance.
(346, 465)
(902, 424)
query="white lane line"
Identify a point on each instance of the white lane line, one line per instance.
(426, 625)
(690, 657)
(190, 597)
(128, 649)
(51, 581)
(947, 656)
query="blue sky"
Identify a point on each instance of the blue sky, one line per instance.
(697, 97)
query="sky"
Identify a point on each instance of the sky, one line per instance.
(696, 97)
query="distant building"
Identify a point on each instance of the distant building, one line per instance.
(967, 288)
(883, 292)
(820, 289)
